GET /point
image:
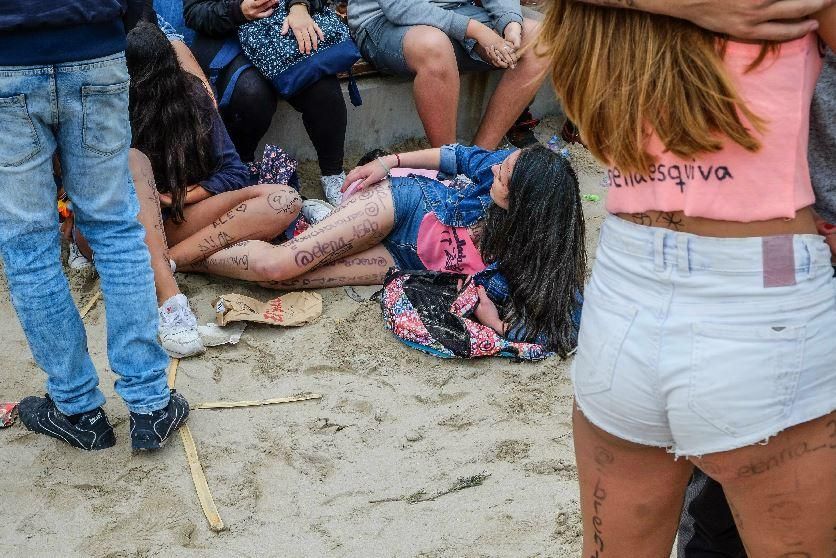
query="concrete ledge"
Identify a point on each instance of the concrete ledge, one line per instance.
(388, 114)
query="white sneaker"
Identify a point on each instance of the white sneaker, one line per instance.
(315, 211)
(178, 328)
(331, 185)
(76, 259)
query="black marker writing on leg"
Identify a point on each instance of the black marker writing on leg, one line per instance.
(598, 497)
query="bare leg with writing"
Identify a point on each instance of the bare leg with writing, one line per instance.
(631, 494)
(783, 493)
(357, 226)
(259, 212)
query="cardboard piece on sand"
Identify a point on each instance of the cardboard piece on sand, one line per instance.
(291, 309)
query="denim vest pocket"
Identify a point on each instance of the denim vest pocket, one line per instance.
(106, 128)
(18, 138)
(604, 328)
(744, 378)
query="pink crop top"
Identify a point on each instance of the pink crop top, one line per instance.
(734, 184)
(445, 248)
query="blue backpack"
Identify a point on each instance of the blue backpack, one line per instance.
(278, 58)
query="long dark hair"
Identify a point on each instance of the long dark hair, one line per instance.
(170, 119)
(539, 246)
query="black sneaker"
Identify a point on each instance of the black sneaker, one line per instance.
(151, 431)
(521, 133)
(87, 431)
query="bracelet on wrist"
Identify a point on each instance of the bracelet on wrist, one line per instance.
(383, 164)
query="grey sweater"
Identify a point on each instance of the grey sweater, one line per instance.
(437, 13)
(822, 154)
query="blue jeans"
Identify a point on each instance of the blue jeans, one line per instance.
(381, 43)
(172, 12)
(80, 109)
(410, 209)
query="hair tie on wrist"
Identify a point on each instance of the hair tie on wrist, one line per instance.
(382, 164)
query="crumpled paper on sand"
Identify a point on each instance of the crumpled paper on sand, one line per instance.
(213, 335)
(291, 309)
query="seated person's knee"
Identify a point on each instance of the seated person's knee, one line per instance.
(283, 198)
(284, 205)
(428, 48)
(530, 29)
(269, 270)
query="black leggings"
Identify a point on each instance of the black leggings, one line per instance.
(706, 528)
(254, 101)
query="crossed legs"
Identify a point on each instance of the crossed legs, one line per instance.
(342, 249)
(259, 212)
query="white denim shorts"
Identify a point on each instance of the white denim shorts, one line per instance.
(701, 344)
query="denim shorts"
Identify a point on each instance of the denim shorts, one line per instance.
(704, 345)
(410, 208)
(381, 43)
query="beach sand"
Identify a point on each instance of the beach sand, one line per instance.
(297, 479)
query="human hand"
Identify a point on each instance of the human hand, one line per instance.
(513, 34)
(367, 175)
(828, 231)
(486, 312)
(258, 9)
(196, 193)
(495, 50)
(307, 32)
(165, 200)
(761, 20)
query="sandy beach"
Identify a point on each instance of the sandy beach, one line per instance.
(300, 479)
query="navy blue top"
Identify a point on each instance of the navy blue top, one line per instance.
(56, 31)
(230, 173)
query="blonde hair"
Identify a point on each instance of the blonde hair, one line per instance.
(623, 73)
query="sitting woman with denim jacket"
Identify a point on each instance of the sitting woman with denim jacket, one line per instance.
(522, 212)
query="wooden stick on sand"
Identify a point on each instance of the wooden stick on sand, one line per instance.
(203, 494)
(234, 404)
(90, 304)
(172, 372)
(198, 477)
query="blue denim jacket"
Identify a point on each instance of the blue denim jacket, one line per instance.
(462, 207)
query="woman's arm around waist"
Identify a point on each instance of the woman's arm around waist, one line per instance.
(827, 26)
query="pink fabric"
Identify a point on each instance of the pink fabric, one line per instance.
(395, 173)
(401, 172)
(734, 184)
(445, 248)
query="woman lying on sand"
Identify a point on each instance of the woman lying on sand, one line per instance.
(522, 212)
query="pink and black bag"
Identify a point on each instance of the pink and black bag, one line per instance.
(428, 311)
